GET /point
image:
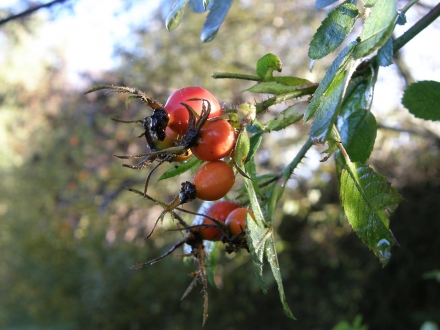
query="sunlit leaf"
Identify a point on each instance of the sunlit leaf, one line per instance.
(297, 92)
(287, 117)
(327, 98)
(333, 30)
(215, 18)
(292, 81)
(181, 168)
(368, 199)
(378, 27)
(242, 148)
(175, 15)
(422, 99)
(338, 65)
(273, 87)
(327, 112)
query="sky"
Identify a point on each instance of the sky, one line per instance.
(89, 34)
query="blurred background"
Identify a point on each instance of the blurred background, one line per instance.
(68, 231)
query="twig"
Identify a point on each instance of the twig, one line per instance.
(430, 17)
(30, 11)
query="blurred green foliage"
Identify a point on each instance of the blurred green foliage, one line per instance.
(68, 232)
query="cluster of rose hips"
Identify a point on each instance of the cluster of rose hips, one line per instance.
(193, 124)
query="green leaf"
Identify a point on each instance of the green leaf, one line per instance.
(181, 168)
(378, 27)
(385, 53)
(255, 231)
(292, 81)
(327, 112)
(266, 65)
(242, 148)
(272, 257)
(175, 15)
(255, 235)
(255, 141)
(333, 30)
(358, 134)
(287, 117)
(356, 124)
(273, 87)
(273, 196)
(211, 262)
(368, 199)
(401, 19)
(422, 99)
(339, 65)
(215, 18)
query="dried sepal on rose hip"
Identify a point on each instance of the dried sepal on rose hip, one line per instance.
(173, 152)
